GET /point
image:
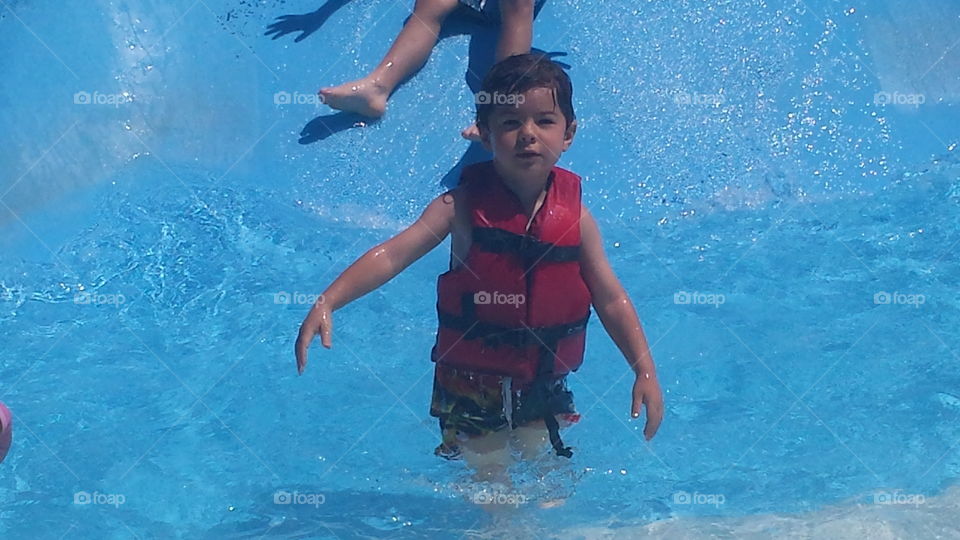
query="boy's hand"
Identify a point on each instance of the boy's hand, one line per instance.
(646, 391)
(318, 321)
(306, 24)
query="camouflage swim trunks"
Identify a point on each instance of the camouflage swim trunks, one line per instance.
(470, 404)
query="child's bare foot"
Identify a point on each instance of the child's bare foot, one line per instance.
(471, 133)
(362, 96)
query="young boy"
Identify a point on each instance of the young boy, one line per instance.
(526, 263)
(368, 95)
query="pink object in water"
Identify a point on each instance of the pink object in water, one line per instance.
(6, 433)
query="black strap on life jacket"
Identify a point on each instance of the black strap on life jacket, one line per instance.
(495, 335)
(529, 248)
(541, 386)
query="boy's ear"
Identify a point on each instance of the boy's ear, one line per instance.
(485, 137)
(569, 134)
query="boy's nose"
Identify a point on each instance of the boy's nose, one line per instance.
(525, 135)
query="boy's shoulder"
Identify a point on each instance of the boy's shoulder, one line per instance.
(478, 175)
(476, 188)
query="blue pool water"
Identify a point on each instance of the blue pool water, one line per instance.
(795, 160)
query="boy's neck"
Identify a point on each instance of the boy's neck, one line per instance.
(526, 188)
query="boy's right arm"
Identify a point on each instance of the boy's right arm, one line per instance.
(376, 267)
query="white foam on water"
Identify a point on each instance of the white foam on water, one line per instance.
(921, 517)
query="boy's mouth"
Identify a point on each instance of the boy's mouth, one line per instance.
(527, 155)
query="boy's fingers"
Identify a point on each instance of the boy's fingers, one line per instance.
(301, 355)
(325, 337)
(303, 344)
(309, 330)
(651, 427)
(326, 329)
(301, 358)
(654, 417)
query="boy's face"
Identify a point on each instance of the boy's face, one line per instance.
(528, 135)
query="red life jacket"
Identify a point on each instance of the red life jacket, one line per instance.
(517, 306)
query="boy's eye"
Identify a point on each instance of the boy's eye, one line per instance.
(547, 121)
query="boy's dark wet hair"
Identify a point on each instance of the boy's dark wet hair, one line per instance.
(516, 75)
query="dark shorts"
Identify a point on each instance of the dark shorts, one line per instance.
(472, 405)
(489, 10)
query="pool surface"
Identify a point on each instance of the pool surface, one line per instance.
(777, 184)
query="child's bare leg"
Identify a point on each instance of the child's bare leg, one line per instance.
(368, 96)
(516, 37)
(516, 28)
(533, 440)
(488, 456)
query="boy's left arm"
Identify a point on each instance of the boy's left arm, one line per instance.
(621, 322)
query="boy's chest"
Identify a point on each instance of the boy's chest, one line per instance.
(462, 233)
